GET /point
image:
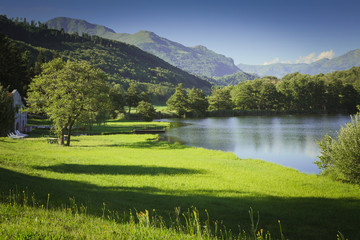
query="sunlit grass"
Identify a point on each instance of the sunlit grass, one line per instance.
(161, 108)
(138, 172)
(24, 222)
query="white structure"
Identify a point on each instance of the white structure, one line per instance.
(20, 113)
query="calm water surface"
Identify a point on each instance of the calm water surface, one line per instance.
(286, 140)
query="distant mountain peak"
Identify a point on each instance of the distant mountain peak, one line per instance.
(71, 24)
(147, 32)
(201, 47)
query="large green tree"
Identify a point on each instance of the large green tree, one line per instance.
(68, 92)
(198, 103)
(117, 101)
(220, 99)
(179, 101)
(244, 96)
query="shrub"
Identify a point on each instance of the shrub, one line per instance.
(340, 156)
(146, 110)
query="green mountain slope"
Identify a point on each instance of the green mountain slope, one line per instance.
(233, 79)
(197, 60)
(343, 62)
(123, 62)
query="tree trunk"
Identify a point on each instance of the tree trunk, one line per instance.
(61, 138)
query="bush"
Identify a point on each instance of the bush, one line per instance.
(340, 156)
(146, 110)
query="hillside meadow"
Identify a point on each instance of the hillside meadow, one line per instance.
(123, 173)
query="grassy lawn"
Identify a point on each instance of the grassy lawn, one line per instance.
(137, 172)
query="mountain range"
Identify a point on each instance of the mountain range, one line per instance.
(343, 62)
(197, 60)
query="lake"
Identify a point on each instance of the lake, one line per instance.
(288, 140)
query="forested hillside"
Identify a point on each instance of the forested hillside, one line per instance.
(197, 60)
(234, 78)
(122, 62)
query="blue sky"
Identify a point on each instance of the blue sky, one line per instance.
(250, 32)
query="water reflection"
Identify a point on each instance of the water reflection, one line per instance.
(287, 140)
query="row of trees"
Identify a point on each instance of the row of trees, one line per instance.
(196, 103)
(131, 98)
(300, 93)
(296, 93)
(182, 102)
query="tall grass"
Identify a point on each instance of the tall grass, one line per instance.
(23, 217)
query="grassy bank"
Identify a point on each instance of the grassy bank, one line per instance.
(72, 222)
(137, 172)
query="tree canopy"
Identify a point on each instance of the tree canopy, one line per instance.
(132, 96)
(178, 101)
(198, 104)
(146, 110)
(220, 99)
(117, 100)
(68, 92)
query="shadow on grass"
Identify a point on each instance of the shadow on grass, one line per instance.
(142, 144)
(5, 140)
(301, 218)
(118, 169)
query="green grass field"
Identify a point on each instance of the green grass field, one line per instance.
(136, 172)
